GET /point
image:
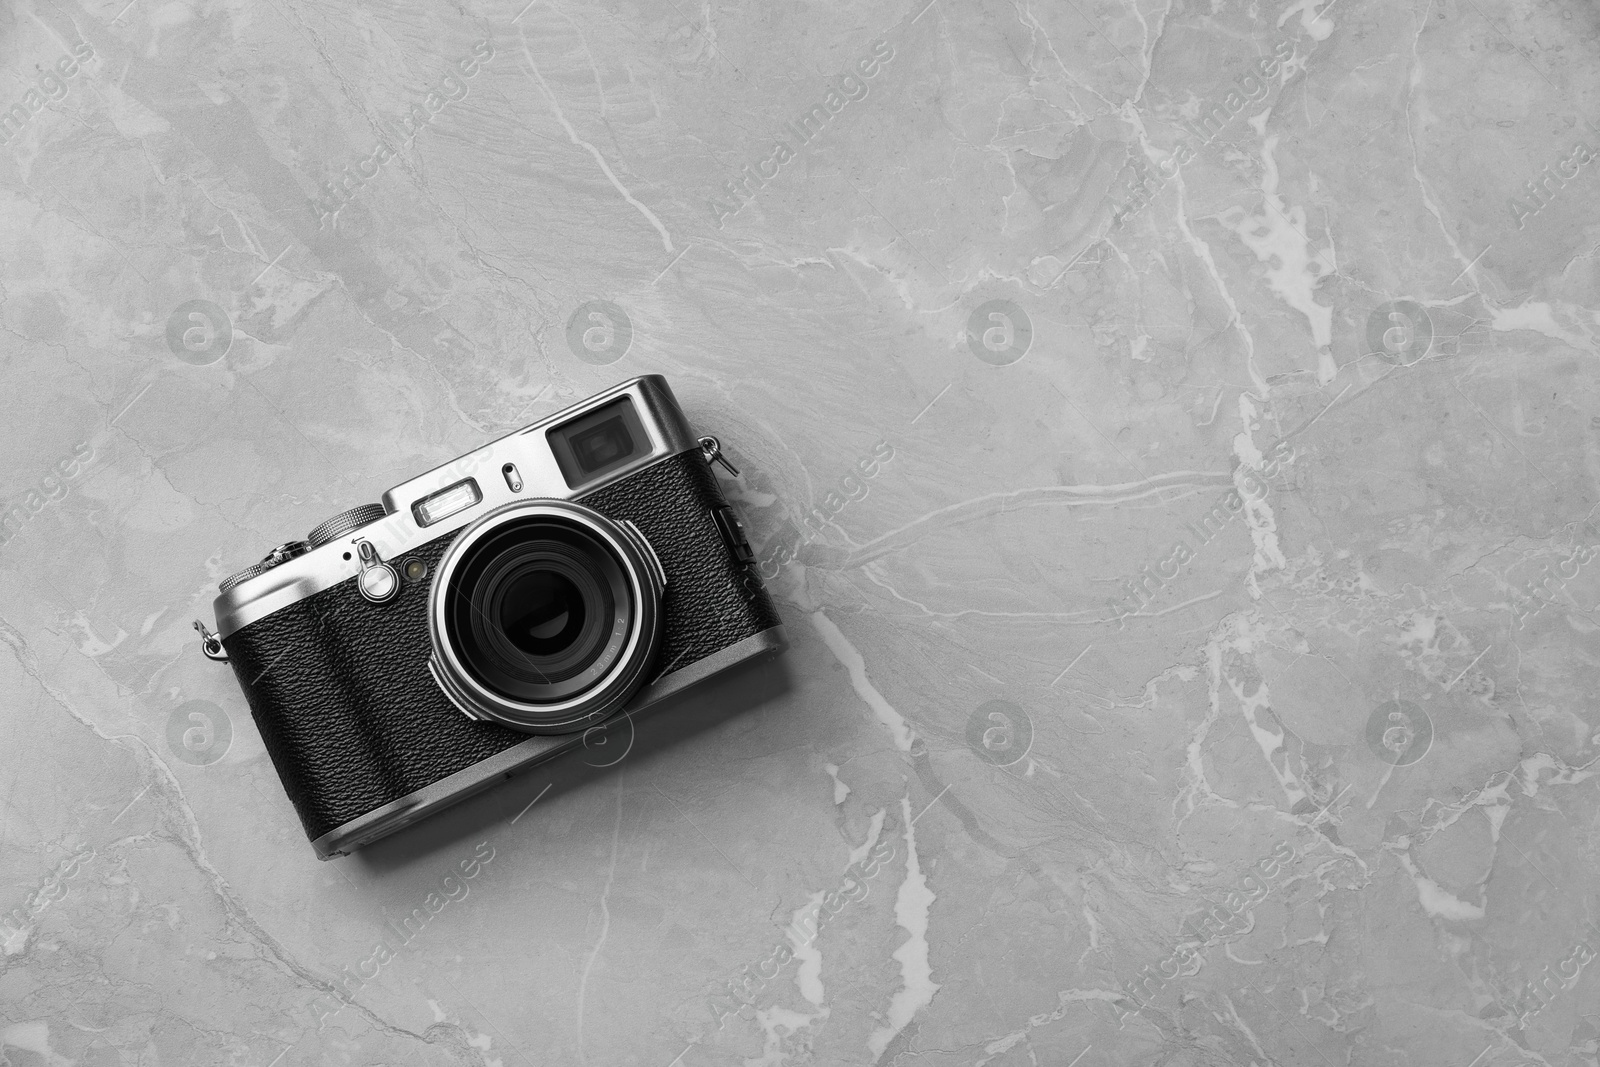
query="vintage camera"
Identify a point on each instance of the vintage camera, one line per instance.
(527, 599)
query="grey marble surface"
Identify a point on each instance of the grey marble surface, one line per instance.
(1167, 428)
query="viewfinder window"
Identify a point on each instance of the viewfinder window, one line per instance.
(603, 446)
(599, 442)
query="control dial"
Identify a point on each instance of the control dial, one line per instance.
(344, 523)
(282, 554)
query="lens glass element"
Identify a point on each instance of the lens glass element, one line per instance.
(542, 612)
(539, 609)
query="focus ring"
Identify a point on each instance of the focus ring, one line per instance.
(345, 522)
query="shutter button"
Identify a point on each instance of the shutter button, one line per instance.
(378, 582)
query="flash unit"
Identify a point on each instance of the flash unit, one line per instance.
(446, 502)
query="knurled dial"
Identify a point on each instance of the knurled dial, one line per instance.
(243, 576)
(282, 554)
(344, 523)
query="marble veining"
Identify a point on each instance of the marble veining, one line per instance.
(1167, 426)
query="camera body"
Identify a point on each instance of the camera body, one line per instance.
(493, 613)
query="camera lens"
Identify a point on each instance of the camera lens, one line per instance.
(542, 612)
(545, 617)
(544, 609)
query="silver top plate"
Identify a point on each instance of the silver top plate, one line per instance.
(539, 475)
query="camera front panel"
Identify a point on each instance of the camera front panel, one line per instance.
(340, 688)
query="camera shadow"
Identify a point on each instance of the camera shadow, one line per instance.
(662, 728)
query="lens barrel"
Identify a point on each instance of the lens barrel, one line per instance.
(545, 616)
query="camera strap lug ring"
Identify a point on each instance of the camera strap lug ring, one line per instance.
(711, 449)
(210, 643)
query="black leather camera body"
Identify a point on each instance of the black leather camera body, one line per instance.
(493, 613)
